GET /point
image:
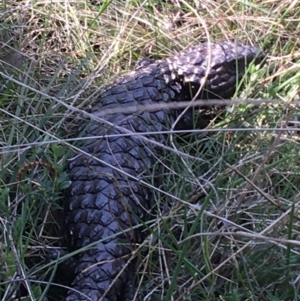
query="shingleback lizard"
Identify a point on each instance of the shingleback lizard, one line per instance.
(106, 198)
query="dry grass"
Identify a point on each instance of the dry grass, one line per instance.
(230, 230)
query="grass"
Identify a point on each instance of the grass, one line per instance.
(229, 228)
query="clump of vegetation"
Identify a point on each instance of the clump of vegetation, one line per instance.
(230, 231)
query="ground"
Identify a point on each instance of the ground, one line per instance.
(230, 231)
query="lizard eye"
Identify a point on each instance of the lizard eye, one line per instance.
(238, 66)
(234, 65)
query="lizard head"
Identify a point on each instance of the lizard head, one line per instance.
(220, 66)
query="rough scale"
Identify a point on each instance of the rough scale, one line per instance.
(103, 203)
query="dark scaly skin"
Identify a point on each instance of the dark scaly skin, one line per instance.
(102, 200)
